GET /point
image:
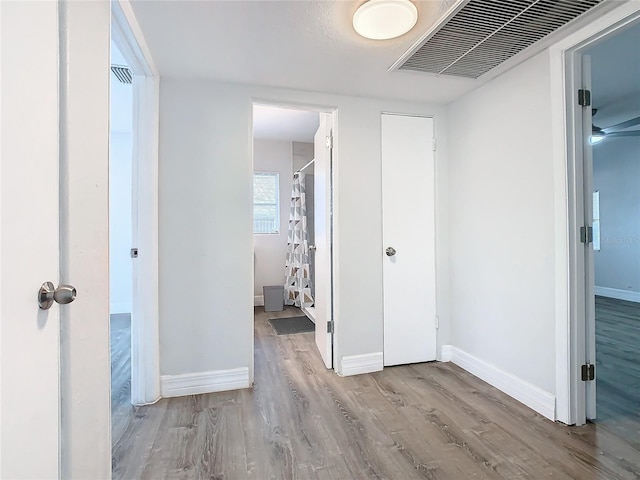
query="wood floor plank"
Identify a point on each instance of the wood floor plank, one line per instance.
(423, 421)
(618, 368)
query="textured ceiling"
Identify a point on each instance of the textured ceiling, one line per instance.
(311, 45)
(273, 123)
(306, 44)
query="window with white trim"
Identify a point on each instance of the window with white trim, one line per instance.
(266, 205)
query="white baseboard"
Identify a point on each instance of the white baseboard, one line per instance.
(258, 301)
(446, 353)
(618, 293)
(535, 398)
(310, 312)
(358, 364)
(204, 382)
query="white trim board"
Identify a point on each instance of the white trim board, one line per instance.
(120, 308)
(204, 382)
(258, 301)
(618, 293)
(533, 397)
(358, 364)
(310, 313)
(446, 353)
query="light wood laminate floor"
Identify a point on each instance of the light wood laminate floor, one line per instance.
(301, 421)
(121, 409)
(618, 367)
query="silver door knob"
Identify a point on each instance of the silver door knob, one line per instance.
(390, 251)
(48, 294)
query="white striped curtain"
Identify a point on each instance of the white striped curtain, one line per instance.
(297, 287)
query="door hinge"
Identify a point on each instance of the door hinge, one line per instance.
(588, 372)
(437, 322)
(134, 253)
(330, 327)
(584, 97)
(586, 234)
(328, 141)
(434, 144)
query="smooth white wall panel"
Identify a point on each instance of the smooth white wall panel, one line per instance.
(616, 165)
(206, 240)
(501, 194)
(205, 228)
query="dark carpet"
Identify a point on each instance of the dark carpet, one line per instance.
(288, 326)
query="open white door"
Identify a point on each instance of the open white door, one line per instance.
(589, 269)
(322, 225)
(29, 336)
(408, 211)
(54, 212)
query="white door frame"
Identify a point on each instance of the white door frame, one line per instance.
(145, 348)
(333, 111)
(567, 135)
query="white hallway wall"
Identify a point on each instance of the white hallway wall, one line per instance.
(206, 244)
(616, 166)
(271, 249)
(502, 252)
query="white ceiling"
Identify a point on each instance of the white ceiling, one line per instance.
(303, 44)
(273, 123)
(615, 75)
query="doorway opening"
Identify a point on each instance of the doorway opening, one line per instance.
(614, 174)
(120, 237)
(133, 223)
(601, 115)
(292, 222)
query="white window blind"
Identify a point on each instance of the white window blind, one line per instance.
(266, 207)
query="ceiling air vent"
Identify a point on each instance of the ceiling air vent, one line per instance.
(485, 33)
(122, 73)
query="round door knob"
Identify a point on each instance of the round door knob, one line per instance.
(390, 251)
(64, 294)
(48, 294)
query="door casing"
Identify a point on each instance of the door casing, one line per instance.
(569, 130)
(145, 353)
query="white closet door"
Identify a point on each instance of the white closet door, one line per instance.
(408, 208)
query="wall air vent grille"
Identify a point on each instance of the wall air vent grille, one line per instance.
(122, 73)
(485, 33)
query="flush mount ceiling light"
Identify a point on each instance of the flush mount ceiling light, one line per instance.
(385, 19)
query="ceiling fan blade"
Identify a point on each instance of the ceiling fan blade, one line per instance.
(621, 126)
(630, 133)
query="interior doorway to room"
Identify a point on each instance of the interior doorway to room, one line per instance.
(602, 74)
(120, 237)
(292, 223)
(133, 223)
(614, 173)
